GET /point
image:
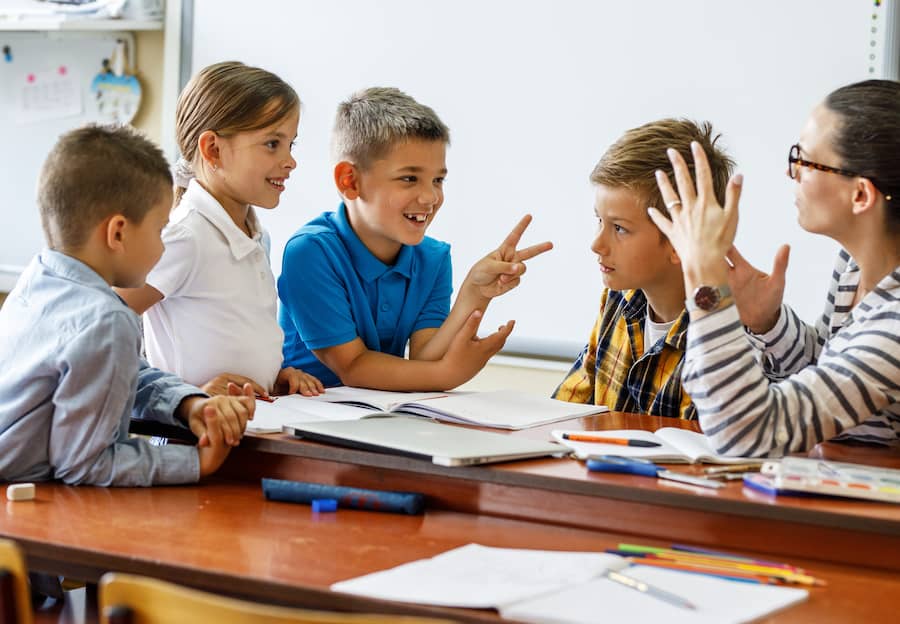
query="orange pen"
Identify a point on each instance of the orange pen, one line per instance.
(582, 437)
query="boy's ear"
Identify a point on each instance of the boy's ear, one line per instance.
(865, 195)
(208, 145)
(346, 178)
(115, 232)
(673, 255)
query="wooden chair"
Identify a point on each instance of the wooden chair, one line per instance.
(15, 599)
(128, 599)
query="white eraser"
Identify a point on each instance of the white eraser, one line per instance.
(20, 492)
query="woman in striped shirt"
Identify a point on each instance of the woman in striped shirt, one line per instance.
(841, 378)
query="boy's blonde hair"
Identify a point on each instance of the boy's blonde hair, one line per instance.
(632, 161)
(229, 98)
(370, 122)
(95, 172)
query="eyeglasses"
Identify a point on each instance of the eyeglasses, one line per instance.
(795, 162)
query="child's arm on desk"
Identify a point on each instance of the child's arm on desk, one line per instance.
(216, 449)
(219, 417)
(467, 354)
(498, 272)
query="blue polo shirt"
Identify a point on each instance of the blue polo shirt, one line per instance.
(333, 289)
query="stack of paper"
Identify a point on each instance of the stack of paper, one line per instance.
(566, 587)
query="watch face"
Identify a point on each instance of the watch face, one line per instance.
(706, 298)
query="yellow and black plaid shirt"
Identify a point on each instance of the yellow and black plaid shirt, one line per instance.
(613, 369)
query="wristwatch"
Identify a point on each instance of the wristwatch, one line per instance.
(707, 298)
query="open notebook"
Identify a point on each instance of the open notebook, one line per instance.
(676, 446)
(501, 409)
(558, 586)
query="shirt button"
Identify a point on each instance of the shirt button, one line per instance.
(385, 307)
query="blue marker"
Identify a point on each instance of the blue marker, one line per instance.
(356, 498)
(7, 54)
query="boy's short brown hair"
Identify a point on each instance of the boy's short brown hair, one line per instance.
(370, 122)
(632, 161)
(94, 172)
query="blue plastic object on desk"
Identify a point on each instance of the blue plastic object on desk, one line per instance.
(609, 463)
(355, 498)
(324, 505)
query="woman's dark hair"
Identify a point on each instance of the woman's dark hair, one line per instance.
(867, 139)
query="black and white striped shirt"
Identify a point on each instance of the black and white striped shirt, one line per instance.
(839, 379)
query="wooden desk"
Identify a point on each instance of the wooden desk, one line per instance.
(562, 493)
(225, 537)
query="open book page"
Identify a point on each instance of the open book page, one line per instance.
(697, 448)
(481, 577)
(676, 446)
(376, 400)
(501, 409)
(286, 410)
(718, 601)
(665, 453)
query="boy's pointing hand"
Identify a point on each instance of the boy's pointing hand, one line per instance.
(502, 269)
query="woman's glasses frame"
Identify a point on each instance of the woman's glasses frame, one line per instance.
(795, 162)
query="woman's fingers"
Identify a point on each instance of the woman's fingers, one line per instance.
(658, 218)
(705, 190)
(686, 192)
(669, 196)
(733, 198)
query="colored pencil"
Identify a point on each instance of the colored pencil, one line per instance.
(720, 563)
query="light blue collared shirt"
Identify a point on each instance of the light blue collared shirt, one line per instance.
(71, 377)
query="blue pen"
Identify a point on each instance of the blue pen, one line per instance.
(644, 468)
(356, 498)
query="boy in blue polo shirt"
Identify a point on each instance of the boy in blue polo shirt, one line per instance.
(358, 284)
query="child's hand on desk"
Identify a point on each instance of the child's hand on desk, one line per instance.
(290, 381)
(213, 453)
(501, 270)
(221, 417)
(468, 353)
(219, 384)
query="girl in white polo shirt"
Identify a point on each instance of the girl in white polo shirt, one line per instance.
(210, 304)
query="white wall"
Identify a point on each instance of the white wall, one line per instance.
(535, 91)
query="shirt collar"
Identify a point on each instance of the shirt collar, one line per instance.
(238, 242)
(73, 269)
(635, 309)
(364, 261)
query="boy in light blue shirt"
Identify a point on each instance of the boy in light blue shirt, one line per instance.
(360, 284)
(71, 375)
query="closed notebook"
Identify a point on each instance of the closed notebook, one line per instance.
(501, 409)
(444, 445)
(676, 446)
(558, 586)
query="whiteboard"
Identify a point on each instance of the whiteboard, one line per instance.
(30, 125)
(534, 92)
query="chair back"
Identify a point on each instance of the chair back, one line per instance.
(129, 599)
(15, 599)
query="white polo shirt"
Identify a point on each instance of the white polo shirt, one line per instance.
(218, 314)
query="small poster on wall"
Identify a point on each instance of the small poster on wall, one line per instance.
(44, 95)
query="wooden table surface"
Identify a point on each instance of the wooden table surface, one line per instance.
(562, 492)
(225, 537)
